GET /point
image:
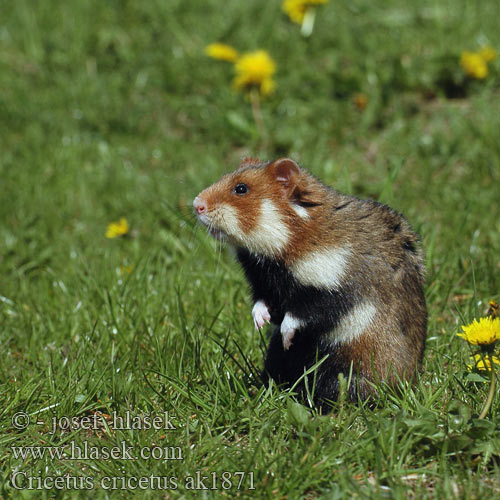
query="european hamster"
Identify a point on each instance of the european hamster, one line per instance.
(339, 277)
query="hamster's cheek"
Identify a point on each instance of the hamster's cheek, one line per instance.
(226, 219)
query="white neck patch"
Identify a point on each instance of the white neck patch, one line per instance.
(271, 235)
(322, 268)
(353, 324)
(225, 217)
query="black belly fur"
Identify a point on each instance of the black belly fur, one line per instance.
(320, 309)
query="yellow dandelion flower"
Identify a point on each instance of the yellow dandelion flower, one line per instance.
(116, 229)
(474, 65)
(483, 332)
(125, 269)
(482, 362)
(296, 9)
(222, 52)
(488, 53)
(255, 69)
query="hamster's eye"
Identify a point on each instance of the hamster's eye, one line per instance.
(240, 189)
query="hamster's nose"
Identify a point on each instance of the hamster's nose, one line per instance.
(200, 206)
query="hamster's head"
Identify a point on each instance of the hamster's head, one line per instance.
(260, 206)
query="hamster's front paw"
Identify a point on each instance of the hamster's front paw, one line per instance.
(260, 314)
(288, 328)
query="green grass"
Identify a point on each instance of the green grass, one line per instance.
(111, 109)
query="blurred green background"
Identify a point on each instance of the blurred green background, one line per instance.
(111, 109)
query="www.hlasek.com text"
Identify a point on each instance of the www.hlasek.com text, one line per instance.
(86, 451)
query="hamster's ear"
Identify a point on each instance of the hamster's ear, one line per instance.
(248, 161)
(286, 172)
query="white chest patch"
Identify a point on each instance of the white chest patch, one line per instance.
(270, 235)
(322, 269)
(353, 324)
